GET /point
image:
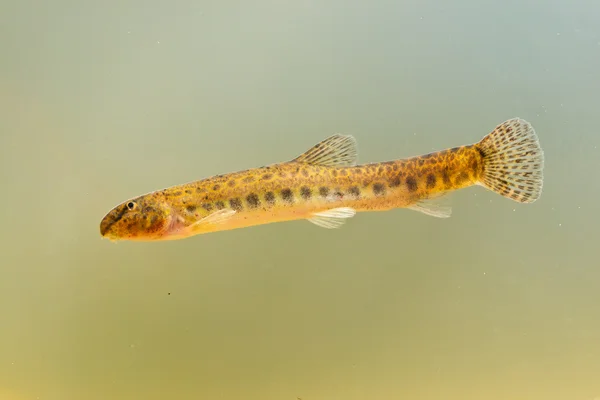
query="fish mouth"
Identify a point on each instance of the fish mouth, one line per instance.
(166, 229)
(105, 231)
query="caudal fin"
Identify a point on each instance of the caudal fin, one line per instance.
(513, 161)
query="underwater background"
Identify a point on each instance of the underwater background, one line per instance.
(103, 101)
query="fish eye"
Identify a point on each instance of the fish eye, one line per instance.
(131, 205)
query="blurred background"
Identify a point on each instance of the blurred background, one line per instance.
(103, 101)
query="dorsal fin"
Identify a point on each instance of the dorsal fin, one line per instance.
(335, 151)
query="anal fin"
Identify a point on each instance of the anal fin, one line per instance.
(432, 207)
(334, 218)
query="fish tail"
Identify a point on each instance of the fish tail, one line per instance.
(513, 161)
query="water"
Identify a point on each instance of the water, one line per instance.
(104, 101)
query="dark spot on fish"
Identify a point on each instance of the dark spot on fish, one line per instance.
(207, 206)
(253, 200)
(480, 150)
(200, 190)
(334, 172)
(446, 177)
(354, 191)
(231, 183)
(431, 181)
(411, 184)
(266, 177)
(395, 182)
(220, 205)
(378, 189)
(216, 187)
(287, 195)
(343, 172)
(338, 194)
(191, 208)
(177, 193)
(323, 191)
(188, 191)
(235, 204)
(305, 192)
(395, 167)
(270, 197)
(463, 176)
(421, 161)
(305, 172)
(248, 179)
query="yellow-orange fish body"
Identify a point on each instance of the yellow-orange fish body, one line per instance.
(325, 187)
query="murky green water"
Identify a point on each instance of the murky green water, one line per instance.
(103, 101)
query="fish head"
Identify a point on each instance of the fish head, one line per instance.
(143, 218)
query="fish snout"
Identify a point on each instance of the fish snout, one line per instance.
(104, 225)
(109, 221)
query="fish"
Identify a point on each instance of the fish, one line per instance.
(327, 187)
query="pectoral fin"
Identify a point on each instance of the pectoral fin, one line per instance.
(215, 218)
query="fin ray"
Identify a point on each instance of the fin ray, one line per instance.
(513, 161)
(335, 151)
(432, 208)
(334, 218)
(217, 217)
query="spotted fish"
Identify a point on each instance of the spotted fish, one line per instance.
(326, 187)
